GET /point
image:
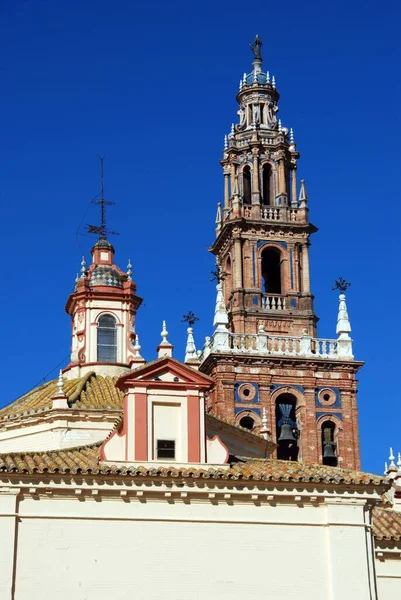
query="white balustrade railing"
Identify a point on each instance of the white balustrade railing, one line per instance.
(274, 345)
(273, 302)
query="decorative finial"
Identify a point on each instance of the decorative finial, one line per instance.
(343, 329)
(76, 280)
(60, 383)
(59, 400)
(164, 333)
(267, 77)
(164, 348)
(391, 458)
(220, 313)
(291, 136)
(129, 270)
(218, 214)
(244, 79)
(385, 468)
(256, 46)
(280, 127)
(240, 84)
(341, 285)
(274, 82)
(83, 267)
(303, 197)
(137, 346)
(399, 461)
(190, 349)
(232, 129)
(190, 318)
(255, 77)
(225, 142)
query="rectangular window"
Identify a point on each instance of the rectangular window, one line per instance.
(165, 449)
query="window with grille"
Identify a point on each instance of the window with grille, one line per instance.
(107, 339)
(165, 449)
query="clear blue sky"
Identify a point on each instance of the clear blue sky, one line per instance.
(152, 87)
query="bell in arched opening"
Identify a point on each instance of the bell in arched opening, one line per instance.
(286, 428)
(328, 445)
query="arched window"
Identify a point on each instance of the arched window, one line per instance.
(329, 446)
(271, 271)
(247, 422)
(246, 182)
(286, 428)
(107, 339)
(266, 172)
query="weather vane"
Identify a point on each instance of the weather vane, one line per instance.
(218, 275)
(341, 285)
(256, 48)
(101, 230)
(190, 318)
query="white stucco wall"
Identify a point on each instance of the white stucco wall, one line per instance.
(388, 569)
(90, 548)
(54, 433)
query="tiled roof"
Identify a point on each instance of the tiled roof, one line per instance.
(91, 391)
(387, 524)
(86, 460)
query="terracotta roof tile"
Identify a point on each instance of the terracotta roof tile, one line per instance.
(387, 524)
(86, 460)
(89, 392)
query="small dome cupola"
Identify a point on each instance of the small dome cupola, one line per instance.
(103, 271)
(103, 310)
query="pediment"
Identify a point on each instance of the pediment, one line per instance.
(165, 371)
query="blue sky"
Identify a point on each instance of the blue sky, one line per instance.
(152, 87)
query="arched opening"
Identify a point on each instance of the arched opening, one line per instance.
(329, 446)
(287, 432)
(107, 339)
(271, 271)
(266, 172)
(246, 182)
(247, 422)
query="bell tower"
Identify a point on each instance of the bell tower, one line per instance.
(263, 229)
(272, 373)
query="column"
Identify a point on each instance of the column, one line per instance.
(237, 282)
(8, 533)
(226, 192)
(255, 182)
(305, 269)
(294, 187)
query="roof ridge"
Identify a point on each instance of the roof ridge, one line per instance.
(81, 385)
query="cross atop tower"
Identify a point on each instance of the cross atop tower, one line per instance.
(101, 230)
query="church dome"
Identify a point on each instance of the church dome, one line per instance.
(106, 275)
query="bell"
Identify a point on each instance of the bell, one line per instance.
(286, 434)
(328, 450)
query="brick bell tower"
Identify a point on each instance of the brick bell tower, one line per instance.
(271, 370)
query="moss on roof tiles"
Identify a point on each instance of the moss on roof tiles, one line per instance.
(86, 459)
(387, 524)
(92, 391)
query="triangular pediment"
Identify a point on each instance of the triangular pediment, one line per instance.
(165, 371)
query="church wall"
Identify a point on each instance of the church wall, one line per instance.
(388, 569)
(61, 433)
(96, 548)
